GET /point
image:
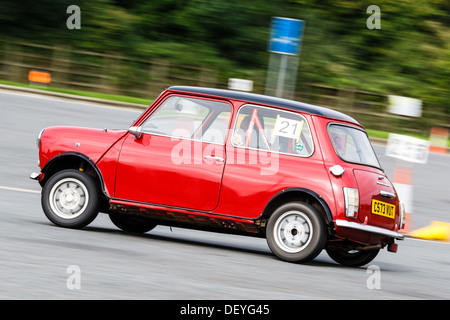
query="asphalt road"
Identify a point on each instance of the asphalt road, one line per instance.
(41, 261)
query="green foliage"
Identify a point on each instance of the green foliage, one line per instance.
(409, 55)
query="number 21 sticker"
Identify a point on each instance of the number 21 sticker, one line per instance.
(288, 128)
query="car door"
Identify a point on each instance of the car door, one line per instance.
(179, 158)
(270, 150)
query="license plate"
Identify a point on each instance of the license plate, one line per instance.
(383, 209)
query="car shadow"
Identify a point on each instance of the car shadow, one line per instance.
(245, 247)
(187, 240)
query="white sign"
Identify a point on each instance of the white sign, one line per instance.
(288, 128)
(407, 148)
(405, 106)
(240, 84)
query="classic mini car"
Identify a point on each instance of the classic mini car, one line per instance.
(304, 177)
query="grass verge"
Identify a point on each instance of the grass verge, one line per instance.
(83, 93)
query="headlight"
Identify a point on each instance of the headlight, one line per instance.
(38, 139)
(351, 197)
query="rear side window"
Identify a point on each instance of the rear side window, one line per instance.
(352, 145)
(272, 130)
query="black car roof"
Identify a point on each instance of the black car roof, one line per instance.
(263, 99)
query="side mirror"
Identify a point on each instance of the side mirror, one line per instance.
(135, 131)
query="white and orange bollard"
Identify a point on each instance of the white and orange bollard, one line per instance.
(438, 140)
(407, 151)
(403, 183)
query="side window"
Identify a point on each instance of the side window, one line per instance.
(190, 118)
(272, 130)
(343, 143)
(352, 145)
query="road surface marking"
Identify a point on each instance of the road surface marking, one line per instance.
(19, 189)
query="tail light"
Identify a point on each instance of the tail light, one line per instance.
(351, 197)
(402, 215)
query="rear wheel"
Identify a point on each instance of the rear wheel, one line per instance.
(71, 199)
(131, 223)
(296, 232)
(352, 258)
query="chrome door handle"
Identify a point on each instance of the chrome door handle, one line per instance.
(387, 194)
(213, 158)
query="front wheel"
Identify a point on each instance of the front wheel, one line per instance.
(71, 199)
(296, 232)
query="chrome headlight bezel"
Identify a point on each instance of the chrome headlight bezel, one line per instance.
(38, 138)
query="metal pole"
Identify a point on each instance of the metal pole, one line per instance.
(281, 76)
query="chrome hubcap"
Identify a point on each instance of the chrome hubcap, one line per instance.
(68, 198)
(293, 231)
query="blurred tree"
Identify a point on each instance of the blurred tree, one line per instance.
(409, 55)
(406, 56)
(238, 30)
(28, 19)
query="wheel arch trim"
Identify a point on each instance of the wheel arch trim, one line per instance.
(71, 154)
(297, 190)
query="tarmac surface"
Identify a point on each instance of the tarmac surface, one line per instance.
(38, 259)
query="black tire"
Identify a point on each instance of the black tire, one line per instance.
(352, 258)
(130, 223)
(296, 232)
(71, 199)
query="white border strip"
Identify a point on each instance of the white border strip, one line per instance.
(19, 189)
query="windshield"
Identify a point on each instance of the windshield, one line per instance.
(352, 145)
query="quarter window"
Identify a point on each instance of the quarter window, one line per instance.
(352, 145)
(272, 130)
(190, 118)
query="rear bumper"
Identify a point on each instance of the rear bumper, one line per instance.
(367, 228)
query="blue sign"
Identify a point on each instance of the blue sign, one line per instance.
(285, 35)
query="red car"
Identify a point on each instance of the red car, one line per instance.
(304, 177)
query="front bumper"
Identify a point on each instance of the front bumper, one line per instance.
(37, 176)
(367, 228)
(34, 176)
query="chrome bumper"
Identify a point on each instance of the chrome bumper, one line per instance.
(367, 228)
(34, 176)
